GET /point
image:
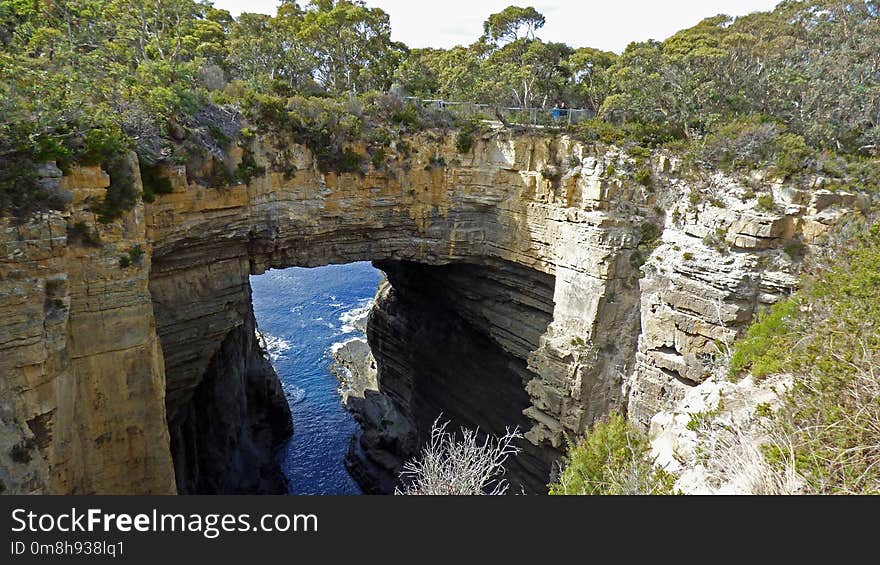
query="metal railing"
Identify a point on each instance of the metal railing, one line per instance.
(538, 117)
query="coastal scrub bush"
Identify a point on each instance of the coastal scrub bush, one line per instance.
(762, 350)
(754, 141)
(154, 182)
(766, 202)
(597, 130)
(248, 168)
(464, 142)
(122, 192)
(644, 177)
(741, 143)
(21, 452)
(550, 173)
(81, 234)
(791, 153)
(614, 458)
(135, 256)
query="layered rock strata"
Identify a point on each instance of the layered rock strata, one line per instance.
(616, 293)
(82, 377)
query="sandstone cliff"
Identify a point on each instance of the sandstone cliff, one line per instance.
(534, 281)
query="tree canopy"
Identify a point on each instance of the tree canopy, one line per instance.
(88, 80)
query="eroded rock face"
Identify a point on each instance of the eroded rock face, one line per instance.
(82, 379)
(537, 246)
(719, 259)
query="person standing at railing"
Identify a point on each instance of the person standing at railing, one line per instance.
(557, 111)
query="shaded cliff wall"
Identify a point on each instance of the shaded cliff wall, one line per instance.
(452, 342)
(226, 409)
(223, 440)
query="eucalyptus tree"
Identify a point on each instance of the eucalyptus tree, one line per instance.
(513, 23)
(350, 44)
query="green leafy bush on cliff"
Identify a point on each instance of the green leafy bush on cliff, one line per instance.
(329, 127)
(755, 141)
(464, 142)
(614, 458)
(764, 348)
(827, 337)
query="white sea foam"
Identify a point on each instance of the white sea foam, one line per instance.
(351, 317)
(294, 394)
(275, 346)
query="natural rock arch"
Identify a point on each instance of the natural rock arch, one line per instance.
(106, 363)
(488, 212)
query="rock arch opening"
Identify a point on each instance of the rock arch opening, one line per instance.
(451, 339)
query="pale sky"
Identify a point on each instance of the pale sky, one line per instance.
(604, 24)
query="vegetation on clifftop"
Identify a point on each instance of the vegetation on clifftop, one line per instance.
(87, 81)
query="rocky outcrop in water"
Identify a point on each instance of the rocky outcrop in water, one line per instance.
(535, 281)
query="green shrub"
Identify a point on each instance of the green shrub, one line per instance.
(641, 153)
(763, 349)
(763, 410)
(219, 174)
(135, 256)
(409, 116)
(102, 146)
(742, 143)
(154, 182)
(794, 250)
(702, 419)
(121, 194)
(829, 421)
(766, 202)
(654, 135)
(644, 177)
(435, 162)
(248, 168)
(219, 136)
(552, 174)
(637, 259)
(80, 233)
(614, 458)
(598, 130)
(864, 173)
(649, 235)
(464, 142)
(791, 154)
(378, 157)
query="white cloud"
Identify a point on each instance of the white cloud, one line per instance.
(605, 24)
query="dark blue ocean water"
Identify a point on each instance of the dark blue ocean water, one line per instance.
(302, 313)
